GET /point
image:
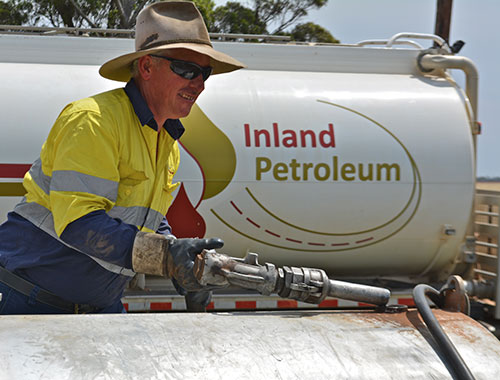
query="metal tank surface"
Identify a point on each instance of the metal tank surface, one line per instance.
(257, 345)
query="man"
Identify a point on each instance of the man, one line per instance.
(94, 212)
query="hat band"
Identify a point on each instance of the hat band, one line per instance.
(146, 46)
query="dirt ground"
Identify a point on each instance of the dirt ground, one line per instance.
(488, 186)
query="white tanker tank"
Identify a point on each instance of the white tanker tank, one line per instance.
(346, 158)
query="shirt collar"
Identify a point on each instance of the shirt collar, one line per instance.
(172, 126)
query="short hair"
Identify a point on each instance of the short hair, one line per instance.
(134, 68)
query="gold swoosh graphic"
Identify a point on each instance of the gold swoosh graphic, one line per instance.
(269, 212)
(12, 189)
(211, 148)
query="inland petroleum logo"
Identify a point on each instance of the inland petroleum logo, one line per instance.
(342, 183)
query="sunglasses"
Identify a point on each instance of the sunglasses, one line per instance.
(185, 69)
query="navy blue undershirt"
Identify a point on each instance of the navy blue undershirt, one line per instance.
(172, 126)
(34, 255)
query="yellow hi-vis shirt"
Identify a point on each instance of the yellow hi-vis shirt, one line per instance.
(99, 156)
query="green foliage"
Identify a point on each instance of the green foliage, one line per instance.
(311, 32)
(12, 13)
(65, 13)
(263, 14)
(122, 14)
(77, 13)
(284, 13)
(235, 18)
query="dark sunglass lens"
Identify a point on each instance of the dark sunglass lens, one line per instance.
(188, 70)
(185, 69)
(206, 71)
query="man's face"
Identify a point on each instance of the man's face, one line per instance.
(171, 95)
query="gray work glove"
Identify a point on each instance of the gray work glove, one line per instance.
(198, 301)
(170, 257)
(195, 301)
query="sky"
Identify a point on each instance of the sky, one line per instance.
(473, 21)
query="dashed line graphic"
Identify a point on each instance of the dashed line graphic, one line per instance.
(236, 208)
(251, 221)
(272, 233)
(362, 241)
(311, 243)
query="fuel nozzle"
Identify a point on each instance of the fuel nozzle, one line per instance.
(302, 284)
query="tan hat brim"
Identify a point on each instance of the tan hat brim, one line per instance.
(119, 68)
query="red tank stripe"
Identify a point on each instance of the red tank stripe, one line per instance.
(329, 303)
(13, 170)
(246, 304)
(406, 301)
(157, 306)
(287, 304)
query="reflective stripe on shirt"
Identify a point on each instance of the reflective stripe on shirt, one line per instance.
(42, 218)
(73, 181)
(42, 180)
(138, 216)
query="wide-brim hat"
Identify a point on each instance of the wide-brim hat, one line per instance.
(169, 25)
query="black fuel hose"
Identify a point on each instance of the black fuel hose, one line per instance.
(458, 366)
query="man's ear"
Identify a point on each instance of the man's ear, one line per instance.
(145, 66)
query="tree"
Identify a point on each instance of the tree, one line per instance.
(69, 13)
(123, 13)
(235, 18)
(311, 32)
(120, 14)
(13, 14)
(265, 14)
(284, 13)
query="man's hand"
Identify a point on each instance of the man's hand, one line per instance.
(195, 301)
(180, 260)
(166, 256)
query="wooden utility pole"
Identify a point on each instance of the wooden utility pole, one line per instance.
(443, 19)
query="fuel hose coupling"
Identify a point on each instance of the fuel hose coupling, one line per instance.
(302, 284)
(308, 285)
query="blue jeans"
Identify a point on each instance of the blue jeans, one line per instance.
(14, 302)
